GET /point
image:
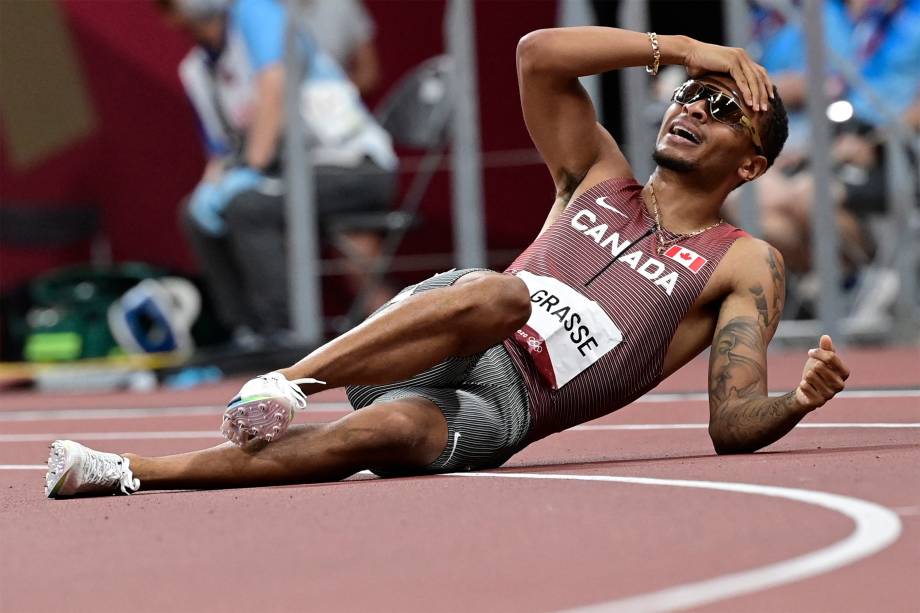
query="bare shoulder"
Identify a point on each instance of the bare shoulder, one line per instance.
(754, 270)
(748, 255)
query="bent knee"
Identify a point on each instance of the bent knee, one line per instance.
(405, 428)
(500, 299)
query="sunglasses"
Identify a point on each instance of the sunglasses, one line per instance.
(722, 107)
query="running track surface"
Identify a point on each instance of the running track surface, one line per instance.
(631, 513)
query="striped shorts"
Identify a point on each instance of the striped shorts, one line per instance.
(482, 397)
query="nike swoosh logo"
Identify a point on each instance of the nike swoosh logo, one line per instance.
(600, 201)
(453, 449)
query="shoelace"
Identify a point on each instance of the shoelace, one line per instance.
(297, 396)
(103, 470)
(301, 398)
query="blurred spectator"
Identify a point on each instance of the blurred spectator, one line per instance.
(235, 217)
(345, 31)
(879, 39)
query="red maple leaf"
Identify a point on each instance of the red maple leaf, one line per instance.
(685, 255)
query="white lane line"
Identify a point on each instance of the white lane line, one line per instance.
(208, 434)
(876, 528)
(45, 467)
(131, 413)
(656, 397)
(879, 393)
(110, 436)
(627, 427)
(326, 407)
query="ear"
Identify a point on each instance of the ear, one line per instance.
(752, 167)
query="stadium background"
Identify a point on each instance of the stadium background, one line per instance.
(125, 142)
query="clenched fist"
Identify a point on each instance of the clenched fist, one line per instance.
(824, 376)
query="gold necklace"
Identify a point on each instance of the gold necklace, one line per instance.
(663, 244)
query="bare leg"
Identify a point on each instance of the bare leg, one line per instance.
(480, 310)
(406, 433)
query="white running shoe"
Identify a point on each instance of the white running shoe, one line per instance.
(75, 469)
(264, 408)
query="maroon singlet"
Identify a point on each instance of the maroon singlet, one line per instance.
(645, 296)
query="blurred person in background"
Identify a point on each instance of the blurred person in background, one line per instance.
(235, 218)
(880, 40)
(345, 30)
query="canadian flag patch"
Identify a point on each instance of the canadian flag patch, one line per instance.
(686, 257)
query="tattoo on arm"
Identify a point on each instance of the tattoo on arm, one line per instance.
(769, 311)
(772, 409)
(755, 423)
(736, 370)
(778, 278)
(743, 417)
(760, 301)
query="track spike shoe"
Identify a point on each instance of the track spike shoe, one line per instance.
(74, 469)
(263, 409)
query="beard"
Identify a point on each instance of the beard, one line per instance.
(673, 163)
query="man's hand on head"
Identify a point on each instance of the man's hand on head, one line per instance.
(824, 376)
(751, 77)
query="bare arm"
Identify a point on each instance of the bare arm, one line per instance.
(559, 114)
(262, 136)
(742, 417)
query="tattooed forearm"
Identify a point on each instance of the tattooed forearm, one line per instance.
(742, 417)
(750, 425)
(736, 368)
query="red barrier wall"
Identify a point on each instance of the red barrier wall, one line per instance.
(144, 154)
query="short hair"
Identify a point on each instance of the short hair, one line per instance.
(774, 128)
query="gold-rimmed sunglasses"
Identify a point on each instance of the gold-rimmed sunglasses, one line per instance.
(722, 107)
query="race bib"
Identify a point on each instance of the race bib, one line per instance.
(566, 333)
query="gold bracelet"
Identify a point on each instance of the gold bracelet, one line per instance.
(652, 68)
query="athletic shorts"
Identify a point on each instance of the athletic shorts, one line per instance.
(482, 397)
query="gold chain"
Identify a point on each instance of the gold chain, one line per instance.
(663, 244)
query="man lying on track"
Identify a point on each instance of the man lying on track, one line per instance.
(624, 285)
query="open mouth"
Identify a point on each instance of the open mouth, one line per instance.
(685, 134)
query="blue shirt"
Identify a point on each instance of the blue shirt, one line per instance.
(223, 90)
(892, 69)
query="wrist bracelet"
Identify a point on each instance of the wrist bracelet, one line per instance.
(652, 68)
